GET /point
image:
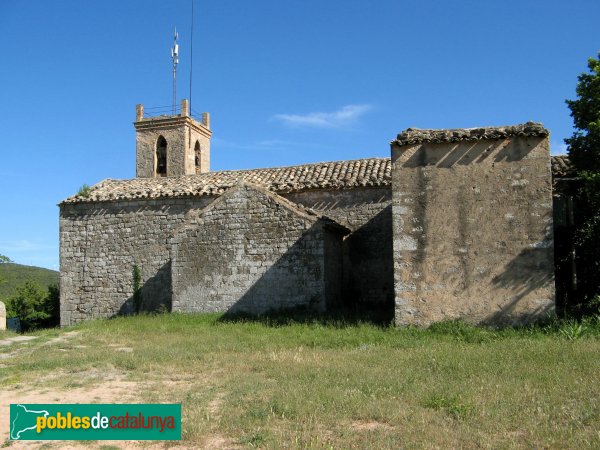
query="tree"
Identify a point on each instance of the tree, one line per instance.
(3, 260)
(584, 145)
(52, 306)
(34, 306)
(584, 153)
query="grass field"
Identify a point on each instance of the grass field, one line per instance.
(314, 385)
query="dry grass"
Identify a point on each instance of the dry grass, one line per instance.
(253, 384)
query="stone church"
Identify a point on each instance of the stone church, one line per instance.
(455, 224)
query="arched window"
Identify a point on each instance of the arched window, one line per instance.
(161, 157)
(197, 152)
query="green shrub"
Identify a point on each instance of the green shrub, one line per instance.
(53, 306)
(84, 191)
(34, 306)
(137, 289)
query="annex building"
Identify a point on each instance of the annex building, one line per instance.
(454, 224)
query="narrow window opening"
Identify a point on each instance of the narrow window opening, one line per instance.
(161, 157)
(197, 152)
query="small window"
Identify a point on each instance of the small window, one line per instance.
(197, 152)
(161, 157)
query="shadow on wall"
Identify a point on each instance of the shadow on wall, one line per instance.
(369, 269)
(306, 283)
(306, 304)
(464, 153)
(156, 293)
(529, 271)
(295, 281)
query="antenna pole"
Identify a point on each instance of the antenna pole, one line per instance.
(175, 58)
(191, 56)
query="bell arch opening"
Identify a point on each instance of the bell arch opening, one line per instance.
(197, 153)
(161, 157)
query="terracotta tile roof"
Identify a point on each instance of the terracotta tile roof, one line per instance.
(328, 175)
(412, 136)
(562, 167)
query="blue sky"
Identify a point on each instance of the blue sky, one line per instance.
(286, 82)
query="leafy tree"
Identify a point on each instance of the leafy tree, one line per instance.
(584, 152)
(52, 306)
(34, 306)
(4, 260)
(584, 145)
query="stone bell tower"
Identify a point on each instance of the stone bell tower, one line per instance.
(171, 145)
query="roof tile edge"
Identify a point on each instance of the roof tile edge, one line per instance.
(412, 136)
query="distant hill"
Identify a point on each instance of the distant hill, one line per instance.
(15, 275)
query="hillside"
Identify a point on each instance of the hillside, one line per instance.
(15, 275)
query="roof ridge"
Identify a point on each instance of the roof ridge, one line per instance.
(345, 161)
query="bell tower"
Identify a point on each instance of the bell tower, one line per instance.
(171, 145)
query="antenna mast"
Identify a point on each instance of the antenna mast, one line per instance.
(191, 54)
(175, 58)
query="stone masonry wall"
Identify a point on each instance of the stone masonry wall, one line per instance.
(249, 253)
(334, 269)
(181, 138)
(100, 244)
(146, 150)
(102, 241)
(367, 264)
(472, 230)
(204, 142)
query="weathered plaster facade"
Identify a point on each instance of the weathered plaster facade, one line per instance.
(472, 218)
(457, 224)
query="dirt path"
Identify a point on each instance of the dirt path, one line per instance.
(13, 343)
(106, 386)
(114, 389)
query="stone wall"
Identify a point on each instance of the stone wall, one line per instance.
(253, 252)
(367, 265)
(472, 223)
(101, 242)
(333, 268)
(146, 149)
